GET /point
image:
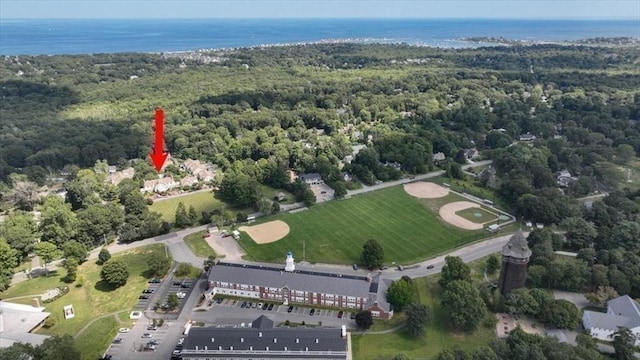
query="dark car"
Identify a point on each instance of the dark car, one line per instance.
(313, 311)
(352, 316)
(147, 291)
(143, 297)
(244, 304)
(117, 340)
(340, 314)
(153, 342)
(355, 266)
(290, 309)
(270, 307)
(185, 285)
(219, 300)
(430, 267)
(265, 306)
(155, 281)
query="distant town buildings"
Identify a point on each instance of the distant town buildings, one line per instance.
(202, 171)
(515, 257)
(527, 137)
(564, 178)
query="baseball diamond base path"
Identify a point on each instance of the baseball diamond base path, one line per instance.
(268, 232)
(426, 190)
(448, 214)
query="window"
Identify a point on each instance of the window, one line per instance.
(375, 313)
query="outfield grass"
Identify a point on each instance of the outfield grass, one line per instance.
(438, 337)
(201, 201)
(198, 245)
(335, 231)
(470, 214)
(90, 297)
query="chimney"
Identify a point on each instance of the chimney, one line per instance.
(275, 340)
(316, 341)
(220, 347)
(260, 334)
(297, 341)
(36, 302)
(231, 347)
(250, 348)
(213, 339)
(241, 340)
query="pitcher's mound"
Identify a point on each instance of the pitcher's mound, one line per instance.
(268, 232)
(426, 190)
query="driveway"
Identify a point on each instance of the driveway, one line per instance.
(226, 247)
(576, 299)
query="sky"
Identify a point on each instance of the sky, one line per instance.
(170, 9)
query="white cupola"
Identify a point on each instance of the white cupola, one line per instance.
(289, 265)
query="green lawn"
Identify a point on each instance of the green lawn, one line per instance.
(201, 201)
(335, 231)
(438, 336)
(90, 298)
(198, 245)
(91, 342)
(471, 214)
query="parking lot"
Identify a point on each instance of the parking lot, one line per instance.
(322, 192)
(281, 310)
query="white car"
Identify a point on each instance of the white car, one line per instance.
(124, 330)
(181, 295)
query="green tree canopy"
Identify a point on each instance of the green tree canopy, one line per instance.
(159, 264)
(417, 317)
(76, 250)
(47, 251)
(8, 261)
(364, 320)
(58, 224)
(372, 254)
(463, 304)
(114, 272)
(400, 294)
(103, 256)
(561, 314)
(454, 269)
(19, 229)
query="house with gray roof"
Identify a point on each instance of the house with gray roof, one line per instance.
(263, 341)
(301, 287)
(312, 178)
(622, 311)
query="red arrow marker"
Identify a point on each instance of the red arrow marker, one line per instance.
(158, 156)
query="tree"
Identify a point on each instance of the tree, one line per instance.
(561, 314)
(103, 256)
(578, 232)
(115, 272)
(76, 250)
(173, 301)
(417, 317)
(20, 231)
(601, 295)
(372, 254)
(24, 195)
(308, 197)
(493, 264)
(158, 264)
(400, 294)
(58, 348)
(484, 353)
(193, 215)
(8, 261)
(58, 224)
(364, 320)
(623, 340)
(463, 304)
(99, 222)
(71, 265)
(182, 217)
(340, 189)
(454, 269)
(47, 251)
(624, 153)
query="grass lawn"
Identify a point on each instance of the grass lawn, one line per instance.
(91, 342)
(472, 215)
(90, 298)
(438, 335)
(201, 201)
(199, 245)
(335, 231)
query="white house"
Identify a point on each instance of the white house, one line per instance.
(621, 312)
(160, 185)
(311, 179)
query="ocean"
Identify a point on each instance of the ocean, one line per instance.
(51, 37)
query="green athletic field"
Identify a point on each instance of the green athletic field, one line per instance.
(334, 232)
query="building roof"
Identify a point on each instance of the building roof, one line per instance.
(626, 306)
(262, 322)
(311, 176)
(301, 280)
(229, 342)
(605, 321)
(517, 246)
(18, 322)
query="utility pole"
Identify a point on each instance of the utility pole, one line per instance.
(304, 253)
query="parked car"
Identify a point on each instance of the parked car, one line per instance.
(219, 300)
(177, 282)
(185, 285)
(124, 330)
(355, 266)
(253, 305)
(400, 267)
(323, 192)
(147, 336)
(244, 304)
(290, 309)
(181, 295)
(117, 340)
(430, 267)
(352, 316)
(265, 306)
(312, 311)
(147, 291)
(155, 281)
(143, 297)
(152, 327)
(154, 342)
(270, 307)
(340, 314)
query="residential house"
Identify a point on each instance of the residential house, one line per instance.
(188, 181)
(117, 176)
(439, 156)
(111, 169)
(564, 178)
(622, 311)
(355, 149)
(311, 179)
(202, 171)
(527, 137)
(292, 286)
(160, 185)
(396, 165)
(280, 196)
(261, 340)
